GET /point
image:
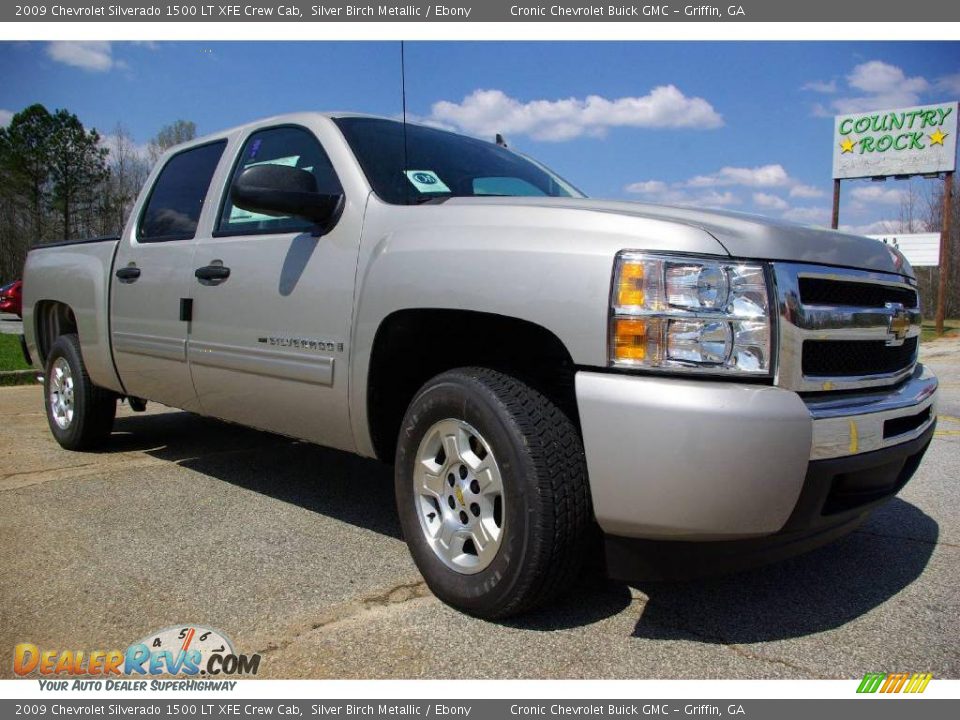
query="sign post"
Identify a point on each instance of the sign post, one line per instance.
(835, 221)
(900, 143)
(945, 258)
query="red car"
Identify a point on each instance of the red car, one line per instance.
(11, 298)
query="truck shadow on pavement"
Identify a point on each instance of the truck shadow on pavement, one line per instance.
(329, 482)
(812, 593)
(819, 591)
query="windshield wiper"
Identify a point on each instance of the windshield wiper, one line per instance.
(436, 200)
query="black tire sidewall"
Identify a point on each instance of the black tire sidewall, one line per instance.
(457, 397)
(71, 437)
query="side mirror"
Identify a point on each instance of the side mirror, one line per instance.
(280, 190)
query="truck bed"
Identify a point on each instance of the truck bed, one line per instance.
(77, 274)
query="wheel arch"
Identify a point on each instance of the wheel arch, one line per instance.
(51, 319)
(413, 345)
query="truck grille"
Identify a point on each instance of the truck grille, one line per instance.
(844, 329)
(845, 358)
(818, 291)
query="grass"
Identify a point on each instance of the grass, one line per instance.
(950, 325)
(11, 358)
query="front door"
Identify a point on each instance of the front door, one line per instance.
(151, 275)
(272, 306)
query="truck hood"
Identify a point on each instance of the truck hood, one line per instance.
(742, 235)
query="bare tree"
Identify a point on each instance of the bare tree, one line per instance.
(179, 131)
(913, 210)
(934, 220)
(127, 168)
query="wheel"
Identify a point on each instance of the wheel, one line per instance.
(79, 413)
(492, 493)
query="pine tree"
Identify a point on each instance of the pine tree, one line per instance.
(77, 171)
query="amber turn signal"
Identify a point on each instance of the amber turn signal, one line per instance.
(629, 339)
(630, 286)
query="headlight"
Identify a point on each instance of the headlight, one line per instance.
(688, 314)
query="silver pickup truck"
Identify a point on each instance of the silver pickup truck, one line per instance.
(550, 375)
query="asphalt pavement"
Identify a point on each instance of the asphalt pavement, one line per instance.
(10, 324)
(294, 551)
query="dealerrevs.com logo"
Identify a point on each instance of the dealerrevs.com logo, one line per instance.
(180, 651)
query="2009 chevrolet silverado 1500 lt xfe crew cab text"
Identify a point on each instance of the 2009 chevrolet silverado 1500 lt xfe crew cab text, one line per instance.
(544, 371)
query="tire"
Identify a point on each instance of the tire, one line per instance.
(80, 414)
(505, 427)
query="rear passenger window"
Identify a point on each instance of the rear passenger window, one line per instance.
(176, 199)
(287, 145)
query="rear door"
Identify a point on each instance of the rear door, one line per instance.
(268, 342)
(153, 271)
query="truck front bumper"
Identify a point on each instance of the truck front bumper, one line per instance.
(671, 459)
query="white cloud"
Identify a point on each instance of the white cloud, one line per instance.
(647, 187)
(821, 87)
(5, 117)
(763, 176)
(867, 103)
(949, 84)
(878, 227)
(808, 215)
(877, 194)
(852, 105)
(769, 189)
(678, 194)
(822, 111)
(703, 189)
(806, 191)
(771, 202)
(93, 56)
(880, 78)
(874, 85)
(656, 191)
(110, 141)
(714, 198)
(486, 112)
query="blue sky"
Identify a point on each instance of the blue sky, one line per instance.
(741, 125)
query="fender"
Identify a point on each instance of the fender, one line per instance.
(550, 266)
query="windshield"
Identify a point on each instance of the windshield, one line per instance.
(442, 164)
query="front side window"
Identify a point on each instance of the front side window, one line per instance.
(416, 164)
(290, 146)
(173, 208)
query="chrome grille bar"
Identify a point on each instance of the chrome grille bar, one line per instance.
(856, 323)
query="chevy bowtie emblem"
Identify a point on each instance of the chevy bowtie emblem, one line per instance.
(898, 325)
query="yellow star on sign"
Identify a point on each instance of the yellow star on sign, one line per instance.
(846, 146)
(938, 137)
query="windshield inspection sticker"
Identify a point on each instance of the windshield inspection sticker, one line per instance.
(426, 181)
